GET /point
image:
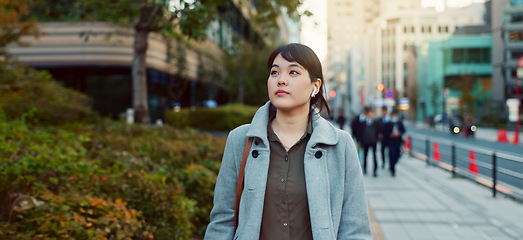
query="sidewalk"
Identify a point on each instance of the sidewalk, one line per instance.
(424, 202)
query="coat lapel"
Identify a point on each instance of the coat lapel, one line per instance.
(317, 177)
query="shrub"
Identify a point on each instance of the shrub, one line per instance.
(112, 180)
(26, 90)
(223, 118)
(95, 178)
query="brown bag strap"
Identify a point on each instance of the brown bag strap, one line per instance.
(239, 185)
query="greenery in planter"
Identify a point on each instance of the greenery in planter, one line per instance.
(25, 90)
(222, 118)
(91, 178)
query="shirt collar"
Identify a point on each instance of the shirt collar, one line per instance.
(323, 132)
(273, 137)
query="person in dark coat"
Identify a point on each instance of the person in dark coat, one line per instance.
(369, 139)
(395, 130)
(341, 119)
(357, 123)
(384, 139)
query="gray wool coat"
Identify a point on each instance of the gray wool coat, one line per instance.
(333, 177)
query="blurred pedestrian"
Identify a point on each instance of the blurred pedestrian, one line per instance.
(395, 130)
(341, 119)
(384, 139)
(369, 139)
(302, 176)
(357, 123)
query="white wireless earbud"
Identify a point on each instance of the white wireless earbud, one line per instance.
(314, 92)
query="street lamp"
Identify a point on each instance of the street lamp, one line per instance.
(519, 74)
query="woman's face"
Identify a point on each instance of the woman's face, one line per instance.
(289, 85)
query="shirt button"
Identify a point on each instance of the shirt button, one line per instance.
(285, 224)
(286, 159)
(282, 180)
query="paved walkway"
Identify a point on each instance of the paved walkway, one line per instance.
(425, 203)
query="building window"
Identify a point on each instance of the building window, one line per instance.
(458, 55)
(517, 54)
(474, 55)
(516, 2)
(470, 55)
(516, 36)
(516, 17)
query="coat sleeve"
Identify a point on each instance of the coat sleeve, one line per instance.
(354, 224)
(221, 224)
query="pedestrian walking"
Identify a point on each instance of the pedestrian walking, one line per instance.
(369, 139)
(357, 123)
(395, 130)
(302, 179)
(383, 138)
(341, 119)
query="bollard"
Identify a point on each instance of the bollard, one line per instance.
(130, 115)
(494, 174)
(427, 151)
(453, 159)
(411, 147)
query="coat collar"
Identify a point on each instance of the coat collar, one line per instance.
(323, 132)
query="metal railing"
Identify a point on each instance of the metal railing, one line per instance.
(501, 172)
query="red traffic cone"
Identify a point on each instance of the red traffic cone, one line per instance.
(407, 143)
(436, 155)
(502, 135)
(473, 167)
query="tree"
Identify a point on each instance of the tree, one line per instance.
(164, 17)
(15, 23)
(167, 17)
(248, 73)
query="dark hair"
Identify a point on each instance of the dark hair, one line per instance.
(295, 52)
(394, 111)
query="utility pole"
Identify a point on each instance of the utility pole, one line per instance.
(519, 74)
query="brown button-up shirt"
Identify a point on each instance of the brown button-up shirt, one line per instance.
(286, 210)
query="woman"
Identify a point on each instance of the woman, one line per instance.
(302, 178)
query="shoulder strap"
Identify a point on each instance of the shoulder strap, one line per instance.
(239, 185)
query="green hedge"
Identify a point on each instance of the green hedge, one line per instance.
(223, 118)
(97, 179)
(110, 180)
(33, 93)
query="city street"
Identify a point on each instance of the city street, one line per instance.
(441, 146)
(425, 202)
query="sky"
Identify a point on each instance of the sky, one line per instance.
(314, 29)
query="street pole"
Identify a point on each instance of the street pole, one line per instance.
(516, 133)
(519, 71)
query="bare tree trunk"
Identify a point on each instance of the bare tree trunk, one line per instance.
(139, 74)
(241, 90)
